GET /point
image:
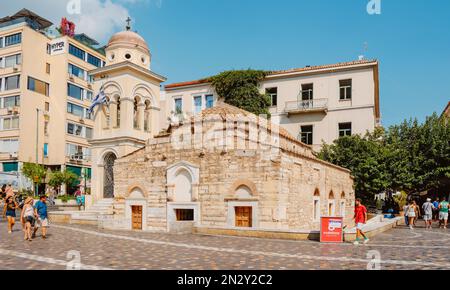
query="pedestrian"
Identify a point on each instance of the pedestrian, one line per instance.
(428, 208)
(40, 209)
(405, 213)
(443, 213)
(28, 218)
(436, 210)
(360, 220)
(9, 211)
(411, 213)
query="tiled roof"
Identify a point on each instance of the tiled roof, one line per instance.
(279, 72)
(328, 66)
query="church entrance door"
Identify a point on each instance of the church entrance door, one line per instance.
(243, 216)
(136, 217)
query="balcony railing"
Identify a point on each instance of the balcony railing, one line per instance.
(313, 105)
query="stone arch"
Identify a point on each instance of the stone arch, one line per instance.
(243, 182)
(145, 92)
(183, 174)
(243, 192)
(112, 88)
(101, 158)
(136, 187)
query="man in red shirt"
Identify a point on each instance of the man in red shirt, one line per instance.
(360, 221)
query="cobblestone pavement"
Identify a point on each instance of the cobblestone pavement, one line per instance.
(398, 248)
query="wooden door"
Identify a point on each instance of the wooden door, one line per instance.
(136, 217)
(243, 216)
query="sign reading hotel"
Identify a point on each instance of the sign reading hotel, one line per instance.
(58, 46)
(331, 230)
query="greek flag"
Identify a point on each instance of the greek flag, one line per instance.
(98, 100)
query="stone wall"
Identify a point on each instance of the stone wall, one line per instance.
(282, 184)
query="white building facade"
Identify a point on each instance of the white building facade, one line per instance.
(316, 104)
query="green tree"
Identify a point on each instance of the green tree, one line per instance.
(35, 172)
(365, 157)
(240, 88)
(410, 157)
(58, 178)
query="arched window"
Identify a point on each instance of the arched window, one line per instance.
(316, 205)
(108, 178)
(331, 204)
(342, 205)
(183, 186)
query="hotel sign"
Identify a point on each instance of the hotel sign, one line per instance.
(58, 46)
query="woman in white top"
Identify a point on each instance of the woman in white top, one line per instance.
(28, 217)
(411, 214)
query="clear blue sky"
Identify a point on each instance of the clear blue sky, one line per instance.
(191, 39)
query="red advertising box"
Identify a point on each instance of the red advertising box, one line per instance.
(331, 230)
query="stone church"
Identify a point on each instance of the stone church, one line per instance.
(223, 169)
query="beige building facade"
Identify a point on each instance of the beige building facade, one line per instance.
(315, 104)
(45, 95)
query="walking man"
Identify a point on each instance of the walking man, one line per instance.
(360, 220)
(443, 213)
(428, 208)
(40, 209)
(436, 210)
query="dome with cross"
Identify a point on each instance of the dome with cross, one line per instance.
(128, 46)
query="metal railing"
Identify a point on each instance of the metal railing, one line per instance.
(306, 105)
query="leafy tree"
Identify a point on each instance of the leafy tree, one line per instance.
(240, 88)
(410, 157)
(58, 178)
(365, 157)
(35, 172)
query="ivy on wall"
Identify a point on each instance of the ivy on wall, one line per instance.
(239, 88)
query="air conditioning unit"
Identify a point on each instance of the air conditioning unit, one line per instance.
(14, 155)
(15, 67)
(10, 110)
(71, 77)
(15, 110)
(82, 120)
(90, 86)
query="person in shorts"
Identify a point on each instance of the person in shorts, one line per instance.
(9, 211)
(428, 208)
(28, 218)
(443, 213)
(360, 220)
(40, 209)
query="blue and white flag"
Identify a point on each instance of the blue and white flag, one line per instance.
(98, 100)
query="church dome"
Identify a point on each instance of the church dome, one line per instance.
(128, 38)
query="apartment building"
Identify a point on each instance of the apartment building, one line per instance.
(315, 103)
(45, 92)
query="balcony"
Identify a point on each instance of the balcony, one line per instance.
(307, 106)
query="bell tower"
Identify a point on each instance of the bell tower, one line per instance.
(131, 114)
